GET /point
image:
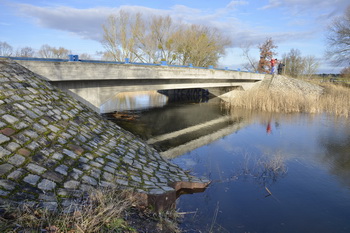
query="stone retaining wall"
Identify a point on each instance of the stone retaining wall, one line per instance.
(53, 148)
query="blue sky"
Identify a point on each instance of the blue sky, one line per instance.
(76, 24)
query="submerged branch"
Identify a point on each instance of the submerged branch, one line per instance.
(268, 191)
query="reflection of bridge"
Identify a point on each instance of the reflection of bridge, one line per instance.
(177, 128)
(211, 131)
(95, 83)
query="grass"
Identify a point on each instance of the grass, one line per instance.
(106, 210)
(102, 211)
(334, 100)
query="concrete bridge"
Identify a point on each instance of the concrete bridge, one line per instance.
(94, 82)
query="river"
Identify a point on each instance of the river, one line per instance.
(269, 172)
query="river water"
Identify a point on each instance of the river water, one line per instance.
(269, 172)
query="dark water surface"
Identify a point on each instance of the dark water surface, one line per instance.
(269, 172)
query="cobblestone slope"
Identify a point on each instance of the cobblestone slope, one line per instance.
(53, 148)
(284, 84)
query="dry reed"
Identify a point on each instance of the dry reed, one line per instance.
(265, 169)
(335, 100)
(105, 210)
(102, 211)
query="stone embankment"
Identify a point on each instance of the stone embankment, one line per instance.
(54, 149)
(289, 85)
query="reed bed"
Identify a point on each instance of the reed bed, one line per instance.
(334, 99)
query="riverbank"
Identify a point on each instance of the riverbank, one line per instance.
(285, 94)
(104, 210)
(55, 151)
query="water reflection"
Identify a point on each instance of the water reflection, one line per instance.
(337, 154)
(179, 127)
(265, 169)
(270, 172)
(134, 100)
(273, 182)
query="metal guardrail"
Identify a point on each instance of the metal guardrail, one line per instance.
(74, 58)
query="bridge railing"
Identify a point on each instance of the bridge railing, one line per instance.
(75, 58)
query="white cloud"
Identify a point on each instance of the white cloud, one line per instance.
(184, 10)
(87, 23)
(4, 24)
(234, 4)
(272, 4)
(296, 7)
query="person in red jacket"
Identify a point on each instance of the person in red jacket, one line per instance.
(273, 65)
(268, 128)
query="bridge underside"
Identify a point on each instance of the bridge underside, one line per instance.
(96, 93)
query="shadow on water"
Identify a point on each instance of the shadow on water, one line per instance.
(181, 123)
(337, 153)
(270, 172)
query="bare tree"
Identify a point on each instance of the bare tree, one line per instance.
(111, 39)
(252, 63)
(61, 52)
(310, 66)
(338, 39)
(131, 36)
(154, 40)
(147, 44)
(200, 45)
(107, 56)
(294, 63)
(266, 54)
(85, 56)
(163, 30)
(158, 38)
(5, 49)
(25, 52)
(47, 51)
(120, 33)
(345, 73)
